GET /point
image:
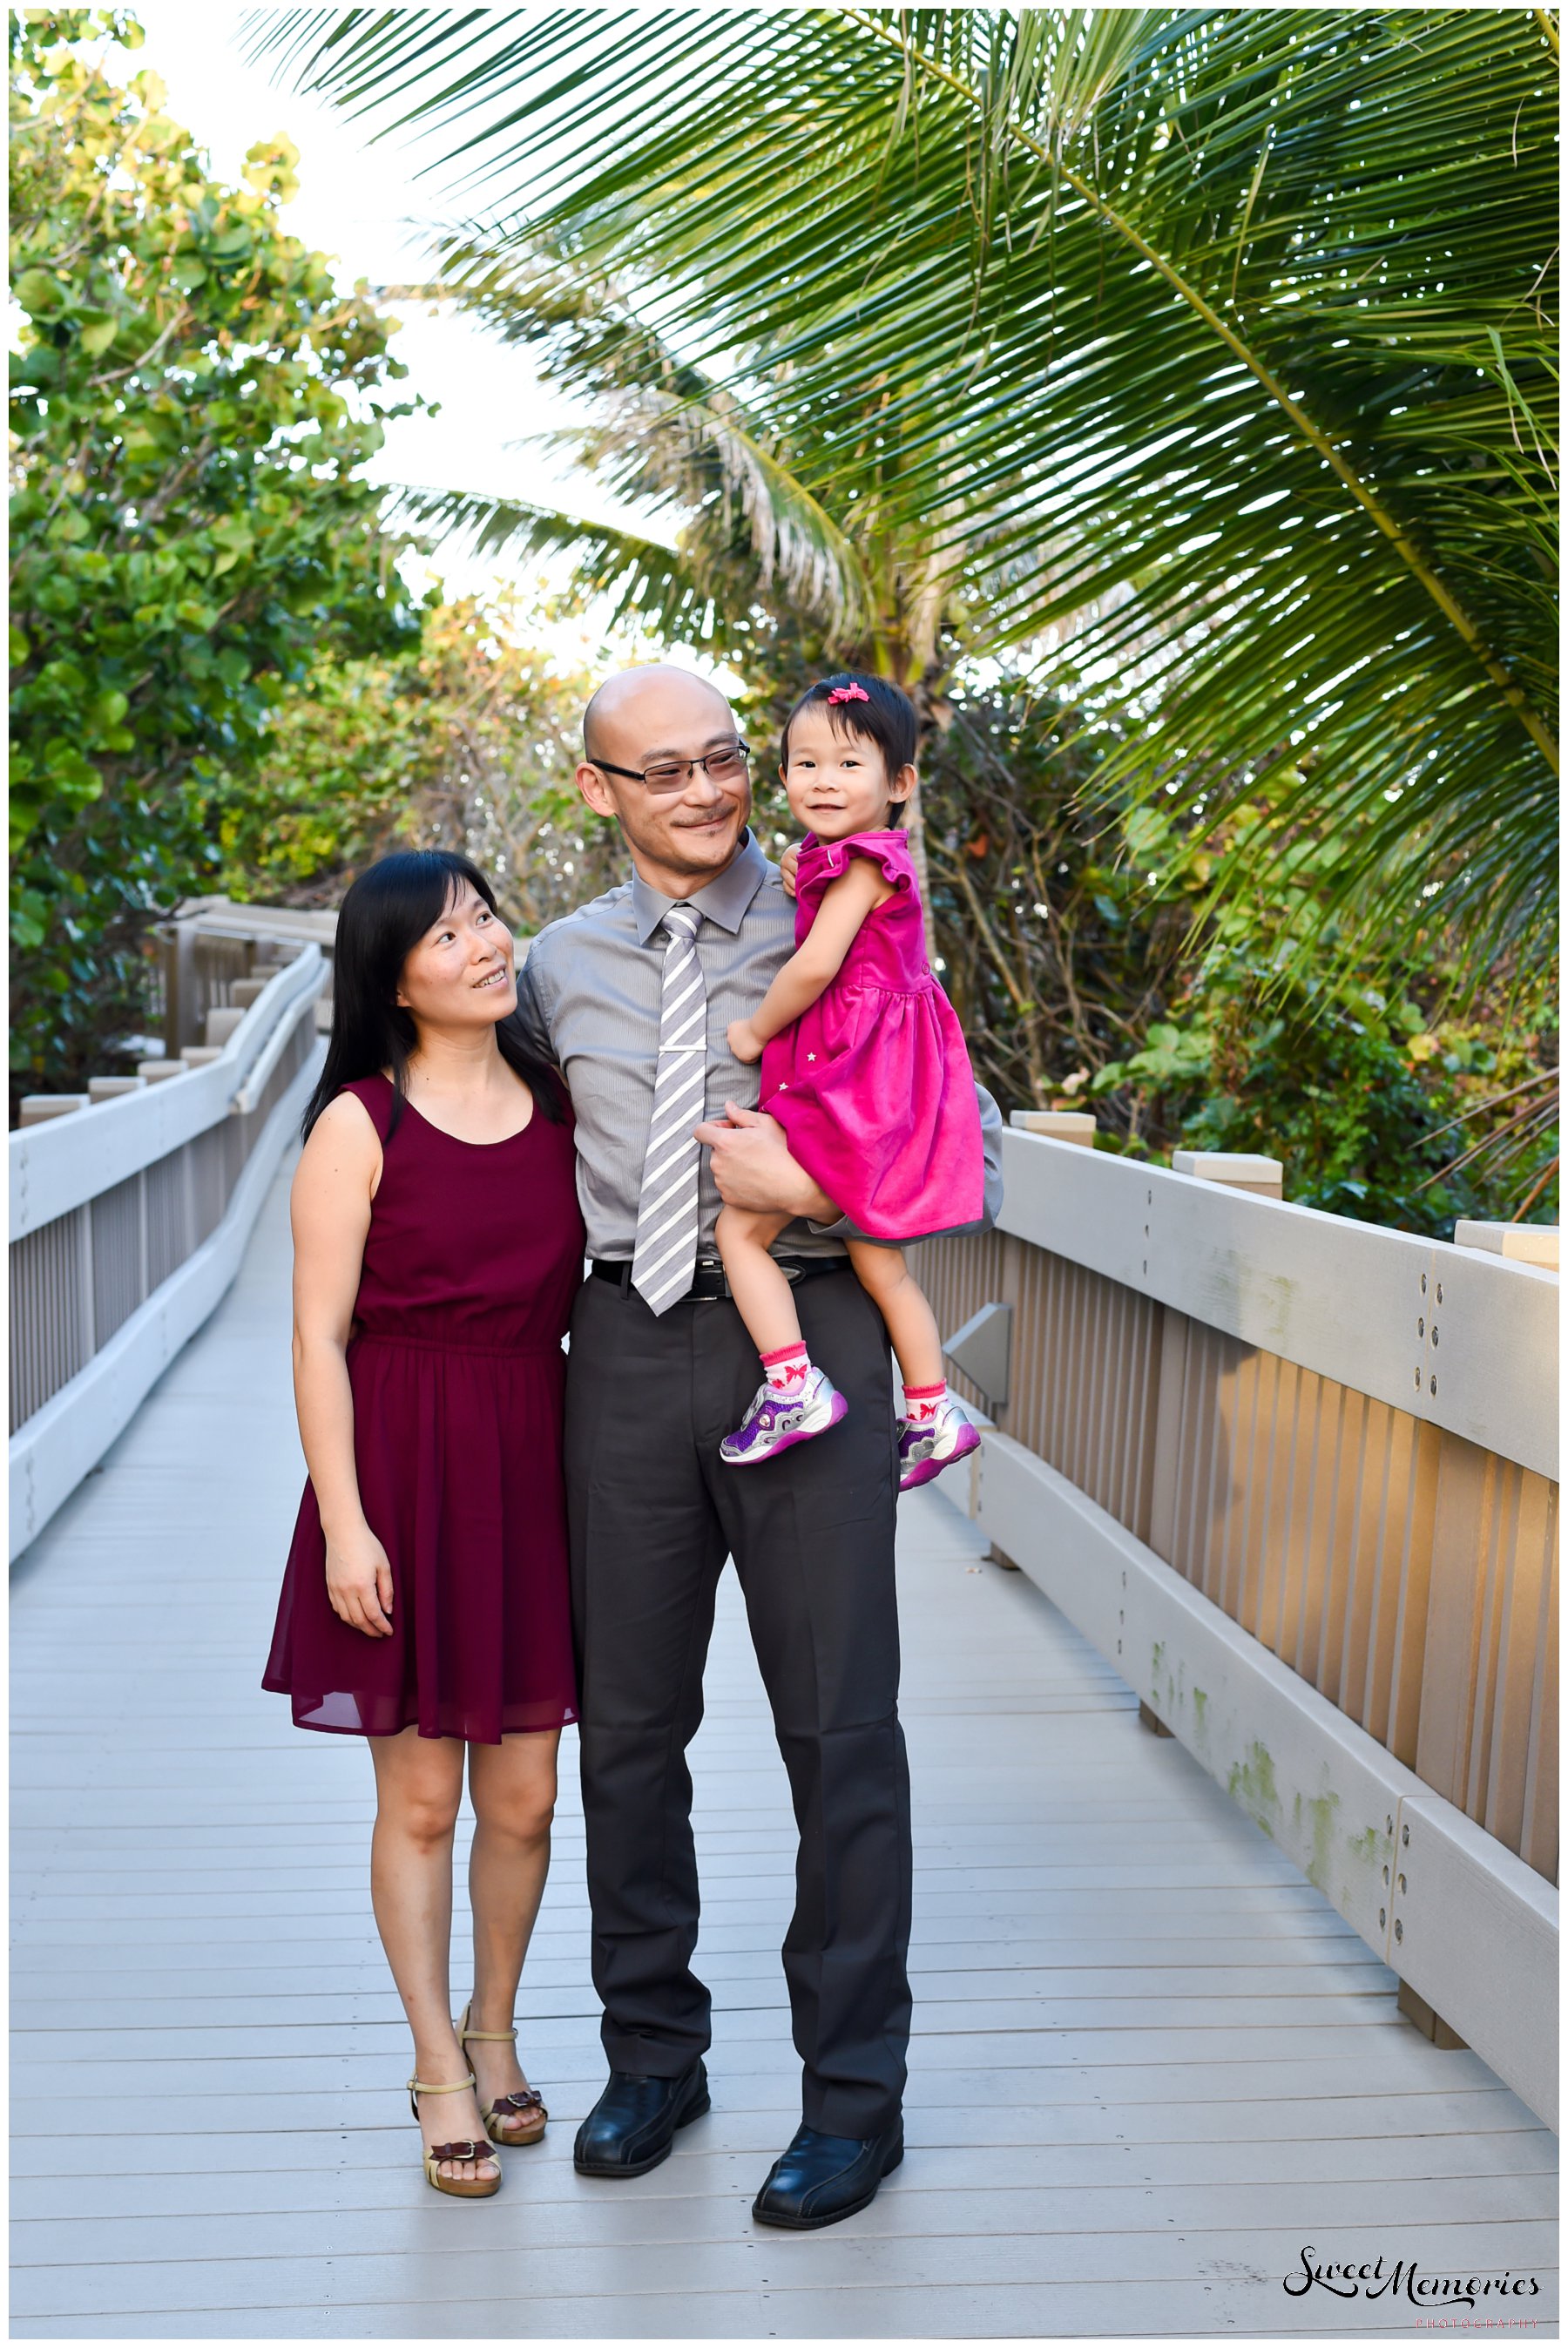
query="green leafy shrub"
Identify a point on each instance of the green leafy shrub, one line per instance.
(192, 406)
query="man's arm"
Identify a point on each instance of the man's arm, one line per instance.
(528, 1018)
(752, 1167)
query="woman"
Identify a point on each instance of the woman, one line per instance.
(437, 1249)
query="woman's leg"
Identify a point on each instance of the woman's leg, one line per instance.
(760, 1290)
(513, 1788)
(899, 1298)
(418, 1787)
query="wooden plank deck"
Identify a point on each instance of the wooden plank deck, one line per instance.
(1150, 2063)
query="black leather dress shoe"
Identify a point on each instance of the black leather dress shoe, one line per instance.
(822, 2178)
(633, 2127)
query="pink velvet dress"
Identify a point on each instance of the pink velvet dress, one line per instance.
(873, 1084)
(472, 1260)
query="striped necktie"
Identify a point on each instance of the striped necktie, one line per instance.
(666, 1250)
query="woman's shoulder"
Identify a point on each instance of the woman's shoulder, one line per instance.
(375, 1095)
(344, 1144)
(359, 1114)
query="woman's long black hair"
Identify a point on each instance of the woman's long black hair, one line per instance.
(382, 917)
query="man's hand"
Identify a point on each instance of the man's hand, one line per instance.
(787, 863)
(743, 1041)
(752, 1167)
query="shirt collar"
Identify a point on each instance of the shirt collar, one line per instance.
(724, 900)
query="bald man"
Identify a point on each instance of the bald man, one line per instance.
(632, 996)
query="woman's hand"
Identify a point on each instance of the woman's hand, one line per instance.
(358, 1582)
(787, 863)
(744, 1041)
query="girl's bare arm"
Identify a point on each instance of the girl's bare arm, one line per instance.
(813, 967)
(330, 1209)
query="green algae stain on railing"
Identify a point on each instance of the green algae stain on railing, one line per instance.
(1316, 1846)
(1251, 1783)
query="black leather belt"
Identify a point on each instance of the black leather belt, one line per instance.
(708, 1281)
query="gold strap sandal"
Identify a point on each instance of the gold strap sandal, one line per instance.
(465, 2188)
(528, 2105)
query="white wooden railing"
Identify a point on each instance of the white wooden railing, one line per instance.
(212, 946)
(1295, 1477)
(129, 1220)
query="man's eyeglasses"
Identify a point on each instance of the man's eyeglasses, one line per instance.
(721, 766)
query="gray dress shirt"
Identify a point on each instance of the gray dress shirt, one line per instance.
(588, 998)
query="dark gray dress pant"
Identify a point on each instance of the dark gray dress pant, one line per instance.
(654, 1515)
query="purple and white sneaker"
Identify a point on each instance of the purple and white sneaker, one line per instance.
(925, 1450)
(775, 1421)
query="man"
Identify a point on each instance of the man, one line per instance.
(633, 995)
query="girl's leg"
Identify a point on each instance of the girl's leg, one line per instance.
(758, 1287)
(797, 1399)
(911, 1324)
(418, 1787)
(513, 1787)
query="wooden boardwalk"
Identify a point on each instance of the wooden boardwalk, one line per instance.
(1150, 2063)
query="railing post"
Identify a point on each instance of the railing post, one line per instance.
(1534, 1244)
(1057, 1123)
(179, 986)
(1238, 1169)
(1430, 2023)
(42, 1108)
(89, 1322)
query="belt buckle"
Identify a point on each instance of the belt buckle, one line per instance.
(711, 1264)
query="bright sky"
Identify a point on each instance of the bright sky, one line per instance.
(358, 200)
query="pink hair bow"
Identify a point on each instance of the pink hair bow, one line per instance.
(848, 693)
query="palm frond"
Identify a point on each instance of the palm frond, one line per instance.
(1229, 327)
(643, 577)
(664, 433)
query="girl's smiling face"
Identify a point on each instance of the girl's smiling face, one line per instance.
(836, 781)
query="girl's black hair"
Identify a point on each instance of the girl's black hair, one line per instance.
(382, 918)
(885, 716)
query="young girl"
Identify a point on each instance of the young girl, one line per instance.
(437, 1250)
(864, 1066)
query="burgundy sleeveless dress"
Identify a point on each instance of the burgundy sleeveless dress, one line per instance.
(472, 1260)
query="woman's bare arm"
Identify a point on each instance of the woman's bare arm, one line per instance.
(814, 966)
(330, 1204)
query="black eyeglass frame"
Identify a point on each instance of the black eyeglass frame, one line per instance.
(632, 776)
